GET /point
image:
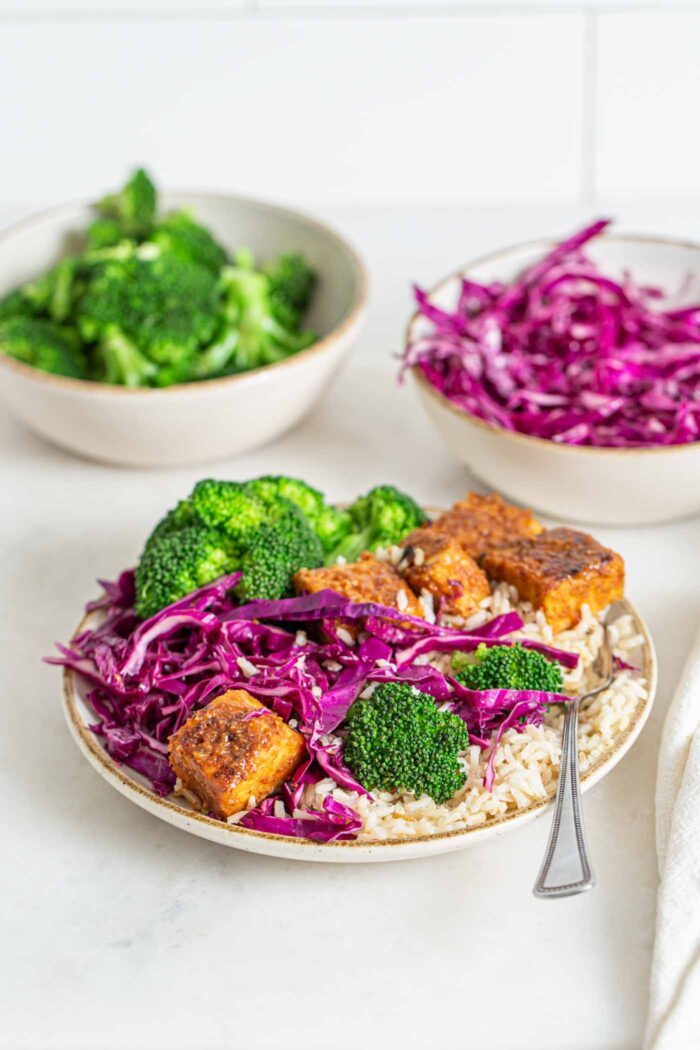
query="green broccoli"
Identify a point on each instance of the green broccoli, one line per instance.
(15, 304)
(380, 519)
(148, 315)
(259, 339)
(54, 293)
(175, 564)
(398, 740)
(329, 523)
(268, 539)
(292, 283)
(277, 550)
(153, 301)
(103, 233)
(43, 345)
(231, 507)
(133, 207)
(179, 234)
(507, 667)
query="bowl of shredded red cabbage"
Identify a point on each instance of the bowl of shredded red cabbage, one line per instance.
(568, 351)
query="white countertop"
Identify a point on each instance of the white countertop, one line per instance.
(120, 931)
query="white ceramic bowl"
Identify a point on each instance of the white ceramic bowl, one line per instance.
(191, 422)
(606, 486)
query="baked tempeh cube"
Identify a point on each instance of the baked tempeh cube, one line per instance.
(481, 524)
(227, 753)
(436, 563)
(559, 571)
(366, 580)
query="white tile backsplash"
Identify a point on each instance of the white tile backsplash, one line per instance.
(647, 103)
(309, 110)
(341, 101)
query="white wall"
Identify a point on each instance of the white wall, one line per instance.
(331, 103)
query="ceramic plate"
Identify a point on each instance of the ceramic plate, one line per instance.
(178, 812)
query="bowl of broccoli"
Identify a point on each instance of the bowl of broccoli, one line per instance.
(154, 329)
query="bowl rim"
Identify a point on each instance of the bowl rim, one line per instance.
(348, 322)
(515, 435)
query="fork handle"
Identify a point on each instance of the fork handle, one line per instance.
(566, 869)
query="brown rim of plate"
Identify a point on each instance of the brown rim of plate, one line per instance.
(514, 435)
(114, 770)
(349, 321)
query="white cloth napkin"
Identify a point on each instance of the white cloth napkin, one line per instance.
(673, 1021)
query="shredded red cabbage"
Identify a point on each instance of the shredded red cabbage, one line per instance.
(147, 678)
(567, 354)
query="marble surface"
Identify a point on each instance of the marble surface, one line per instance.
(120, 931)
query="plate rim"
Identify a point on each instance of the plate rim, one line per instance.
(171, 811)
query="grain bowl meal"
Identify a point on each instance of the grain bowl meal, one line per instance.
(154, 300)
(364, 673)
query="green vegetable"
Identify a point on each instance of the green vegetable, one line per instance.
(259, 530)
(103, 233)
(180, 235)
(250, 334)
(398, 740)
(153, 301)
(148, 315)
(329, 523)
(507, 667)
(176, 563)
(43, 345)
(53, 294)
(277, 550)
(292, 282)
(380, 519)
(133, 207)
(231, 507)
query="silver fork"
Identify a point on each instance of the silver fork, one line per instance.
(566, 869)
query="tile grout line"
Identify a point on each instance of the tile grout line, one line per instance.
(264, 10)
(589, 114)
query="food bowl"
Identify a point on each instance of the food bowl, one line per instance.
(190, 422)
(608, 486)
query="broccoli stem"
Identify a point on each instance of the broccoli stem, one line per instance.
(123, 361)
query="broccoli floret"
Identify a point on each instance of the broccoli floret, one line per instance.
(179, 234)
(43, 345)
(232, 507)
(177, 563)
(507, 667)
(15, 304)
(329, 523)
(53, 294)
(133, 207)
(260, 339)
(103, 233)
(380, 519)
(292, 283)
(148, 314)
(277, 550)
(265, 536)
(214, 360)
(398, 740)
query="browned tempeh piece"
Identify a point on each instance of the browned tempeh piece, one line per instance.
(559, 571)
(226, 757)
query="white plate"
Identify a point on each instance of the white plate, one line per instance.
(176, 811)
